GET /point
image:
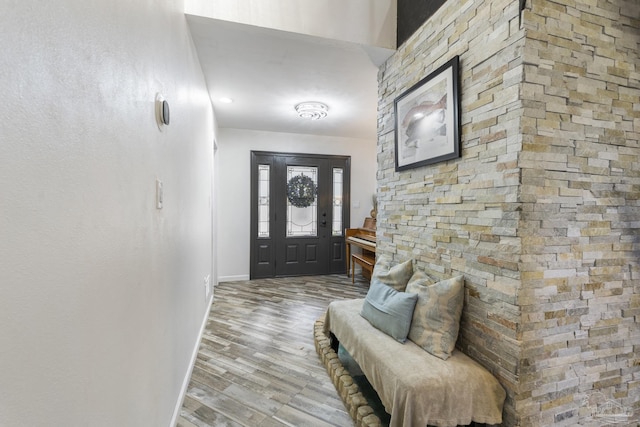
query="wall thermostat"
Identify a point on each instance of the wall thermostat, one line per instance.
(162, 111)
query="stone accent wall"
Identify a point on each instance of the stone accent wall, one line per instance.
(542, 211)
(580, 225)
(462, 216)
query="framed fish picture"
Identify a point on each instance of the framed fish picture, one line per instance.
(427, 119)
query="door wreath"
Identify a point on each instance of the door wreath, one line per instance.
(301, 191)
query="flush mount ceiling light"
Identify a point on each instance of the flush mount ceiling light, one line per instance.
(312, 110)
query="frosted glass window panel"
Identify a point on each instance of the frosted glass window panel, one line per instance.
(302, 222)
(263, 200)
(336, 228)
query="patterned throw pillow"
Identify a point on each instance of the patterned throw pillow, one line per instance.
(436, 317)
(396, 276)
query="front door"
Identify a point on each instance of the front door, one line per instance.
(299, 210)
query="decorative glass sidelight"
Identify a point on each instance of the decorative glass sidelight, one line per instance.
(263, 200)
(336, 227)
(302, 182)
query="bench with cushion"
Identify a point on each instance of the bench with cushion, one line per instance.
(404, 342)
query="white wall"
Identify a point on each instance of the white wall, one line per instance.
(234, 213)
(101, 294)
(366, 22)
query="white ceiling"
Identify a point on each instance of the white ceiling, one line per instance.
(267, 72)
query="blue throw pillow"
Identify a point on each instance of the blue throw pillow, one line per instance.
(389, 310)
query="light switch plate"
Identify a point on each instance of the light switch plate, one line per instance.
(207, 285)
(159, 194)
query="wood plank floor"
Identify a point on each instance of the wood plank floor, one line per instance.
(257, 364)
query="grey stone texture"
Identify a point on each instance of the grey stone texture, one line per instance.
(542, 211)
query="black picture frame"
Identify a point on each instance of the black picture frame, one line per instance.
(427, 119)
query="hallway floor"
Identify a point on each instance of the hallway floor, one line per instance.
(257, 365)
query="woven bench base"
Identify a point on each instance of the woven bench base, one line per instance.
(355, 402)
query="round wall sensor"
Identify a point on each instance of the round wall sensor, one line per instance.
(162, 111)
(165, 112)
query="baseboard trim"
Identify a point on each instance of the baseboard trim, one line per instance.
(238, 278)
(194, 356)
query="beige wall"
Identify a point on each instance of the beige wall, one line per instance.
(235, 146)
(101, 294)
(365, 22)
(540, 212)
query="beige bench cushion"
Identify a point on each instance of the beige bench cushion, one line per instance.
(416, 387)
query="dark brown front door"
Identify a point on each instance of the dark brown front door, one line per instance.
(299, 210)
